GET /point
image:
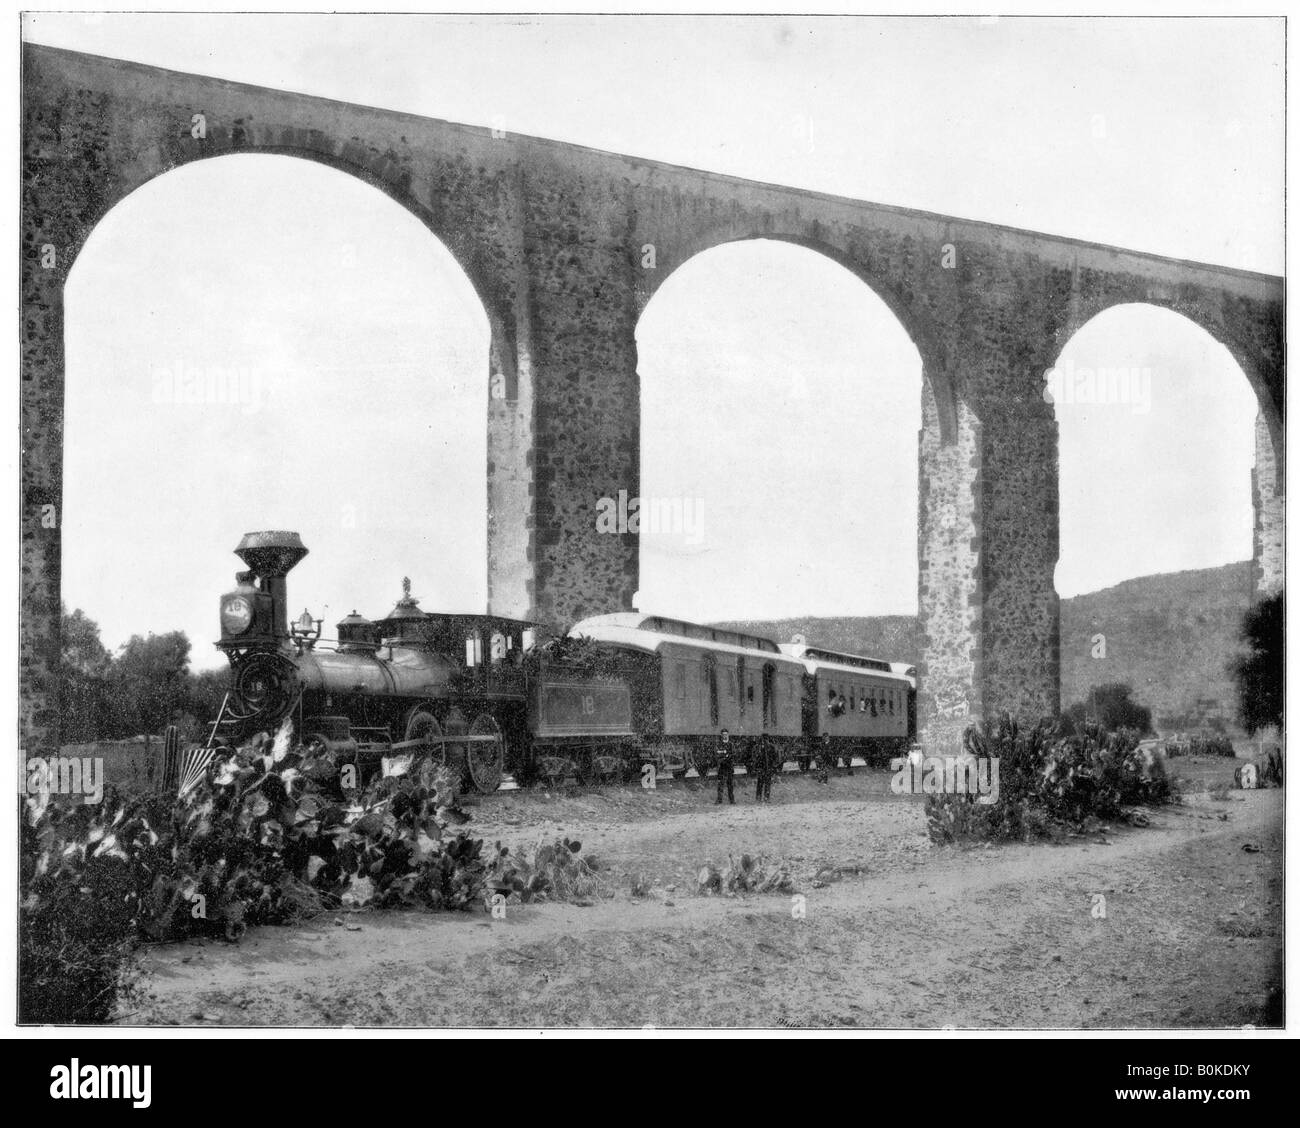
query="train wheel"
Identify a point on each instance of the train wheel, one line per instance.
(553, 770)
(485, 759)
(422, 725)
(606, 765)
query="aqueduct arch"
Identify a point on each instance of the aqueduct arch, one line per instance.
(249, 300)
(1253, 344)
(552, 235)
(916, 321)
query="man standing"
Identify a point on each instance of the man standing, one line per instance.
(726, 768)
(825, 758)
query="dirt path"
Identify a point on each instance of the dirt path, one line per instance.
(923, 937)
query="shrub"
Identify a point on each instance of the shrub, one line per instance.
(1048, 781)
(1259, 672)
(1211, 746)
(1110, 706)
(555, 873)
(75, 920)
(265, 838)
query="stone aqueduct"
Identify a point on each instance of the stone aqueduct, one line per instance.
(552, 237)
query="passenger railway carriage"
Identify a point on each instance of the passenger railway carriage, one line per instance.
(416, 689)
(689, 682)
(867, 706)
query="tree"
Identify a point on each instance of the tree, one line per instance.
(150, 682)
(82, 649)
(1259, 672)
(1112, 707)
(206, 690)
(85, 664)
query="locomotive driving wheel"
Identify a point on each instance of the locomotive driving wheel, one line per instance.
(485, 759)
(421, 724)
(596, 765)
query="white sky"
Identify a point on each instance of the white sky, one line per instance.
(1160, 135)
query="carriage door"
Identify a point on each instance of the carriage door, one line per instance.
(769, 695)
(741, 687)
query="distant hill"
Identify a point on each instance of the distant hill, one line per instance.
(1170, 636)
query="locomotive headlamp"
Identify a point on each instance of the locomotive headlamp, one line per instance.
(236, 615)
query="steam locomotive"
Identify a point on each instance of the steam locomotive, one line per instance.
(479, 693)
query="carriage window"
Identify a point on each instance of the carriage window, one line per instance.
(681, 681)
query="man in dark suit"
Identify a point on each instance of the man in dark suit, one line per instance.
(765, 768)
(825, 759)
(726, 767)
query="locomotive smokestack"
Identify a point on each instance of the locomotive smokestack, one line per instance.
(272, 555)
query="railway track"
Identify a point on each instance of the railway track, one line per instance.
(509, 783)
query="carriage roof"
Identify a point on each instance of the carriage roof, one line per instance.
(651, 633)
(818, 659)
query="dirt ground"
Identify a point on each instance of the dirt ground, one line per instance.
(1173, 926)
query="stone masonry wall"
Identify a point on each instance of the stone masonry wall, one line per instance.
(1270, 503)
(949, 579)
